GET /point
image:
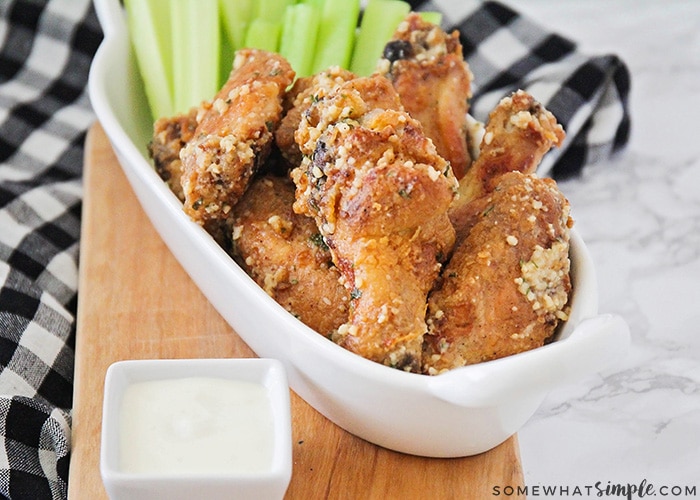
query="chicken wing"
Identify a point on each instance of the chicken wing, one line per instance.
(170, 134)
(427, 68)
(303, 93)
(379, 193)
(285, 254)
(233, 137)
(518, 134)
(506, 286)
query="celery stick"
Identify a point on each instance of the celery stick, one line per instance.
(151, 37)
(433, 17)
(298, 40)
(316, 3)
(379, 22)
(336, 34)
(272, 10)
(263, 35)
(227, 53)
(235, 15)
(195, 53)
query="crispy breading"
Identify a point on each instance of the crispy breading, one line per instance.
(427, 68)
(233, 137)
(286, 255)
(518, 133)
(303, 93)
(379, 193)
(506, 286)
(170, 134)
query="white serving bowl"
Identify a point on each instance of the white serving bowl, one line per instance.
(136, 482)
(459, 413)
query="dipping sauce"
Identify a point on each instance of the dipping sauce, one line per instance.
(195, 425)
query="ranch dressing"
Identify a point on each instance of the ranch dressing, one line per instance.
(195, 425)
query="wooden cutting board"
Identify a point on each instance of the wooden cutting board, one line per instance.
(135, 301)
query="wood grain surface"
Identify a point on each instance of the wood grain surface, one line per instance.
(135, 301)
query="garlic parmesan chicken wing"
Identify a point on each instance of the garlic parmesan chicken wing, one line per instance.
(303, 93)
(233, 137)
(427, 68)
(285, 254)
(379, 193)
(517, 135)
(506, 286)
(170, 134)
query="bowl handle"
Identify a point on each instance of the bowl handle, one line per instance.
(594, 345)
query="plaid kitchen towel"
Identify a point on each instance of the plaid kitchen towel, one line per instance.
(45, 51)
(46, 48)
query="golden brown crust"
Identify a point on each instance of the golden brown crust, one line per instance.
(379, 193)
(506, 287)
(233, 137)
(428, 70)
(285, 254)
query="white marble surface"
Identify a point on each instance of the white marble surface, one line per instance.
(640, 216)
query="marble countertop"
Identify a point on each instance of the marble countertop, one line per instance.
(639, 213)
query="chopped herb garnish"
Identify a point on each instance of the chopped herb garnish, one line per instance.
(317, 239)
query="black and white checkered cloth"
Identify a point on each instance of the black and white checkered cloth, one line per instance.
(45, 51)
(45, 54)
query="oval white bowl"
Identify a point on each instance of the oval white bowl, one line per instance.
(463, 412)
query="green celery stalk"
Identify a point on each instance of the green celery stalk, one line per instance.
(149, 24)
(272, 10)
(226, 55)
(235, 16)
(263, 35)
(336, 34)
(298, 40)
(195, 51)
(316, 3)
(379, 22)
(433, 17)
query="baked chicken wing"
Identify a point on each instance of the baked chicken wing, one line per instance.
(506, 286)
(303, 93)
(285, 254)
(427, 68)
(170, 134)
(517, 135)
(379, 193)
(233, 137)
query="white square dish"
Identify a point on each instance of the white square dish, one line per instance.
(196, 428)
(462, 412)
